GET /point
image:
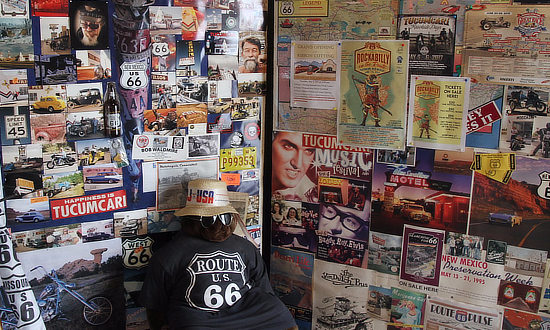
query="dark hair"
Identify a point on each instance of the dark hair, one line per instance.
(273, 207)
(292, 208)
(252, 40)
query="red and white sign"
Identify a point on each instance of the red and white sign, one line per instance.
(86, 205)
(482, 116)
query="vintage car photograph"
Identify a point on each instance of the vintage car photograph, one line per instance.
(49, 103)
(104, 177)
(507, 219)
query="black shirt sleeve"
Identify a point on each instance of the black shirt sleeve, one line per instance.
(154, 293)
(258, 272)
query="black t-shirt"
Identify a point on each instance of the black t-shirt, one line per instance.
(199, 284)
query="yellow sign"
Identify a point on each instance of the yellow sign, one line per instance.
(303, 8)
(500, 161)
(236, 159)
(372, 59)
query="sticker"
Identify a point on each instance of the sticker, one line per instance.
(544, 187)
(232, 179)
(134, 76)
(161, 49)
(303, 8)
(137, 252)
(238, 159)
(499, 161)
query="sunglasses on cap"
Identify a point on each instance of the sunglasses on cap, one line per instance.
(90, 25)
(207, 221)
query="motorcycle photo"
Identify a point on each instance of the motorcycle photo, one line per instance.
(530, 102)
(96, 310)
(60, 160)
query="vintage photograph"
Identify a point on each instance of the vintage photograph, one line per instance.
(85, 97)
(89, 24)
(398, 157)
(130, 223)
(496, 252)
(93, 64)
(384, 253)
(59, 157)
(102, 176)
(14, 89)
(165, 20)
(55, 36)
(48, 128)
(16, 47)
(53, 70)
(204, 145)
(63, 185)
(164, 52)
(27, 213)
(47, 99)
(89, 272)
(84, 125)
(97, 230)
(93, 152)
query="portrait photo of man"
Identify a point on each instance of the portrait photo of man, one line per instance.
(291, 162)
(252, 60)
(89, 25)
(344, 222)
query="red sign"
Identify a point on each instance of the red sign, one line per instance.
(482, 116)
(378, 240)
(86, 205)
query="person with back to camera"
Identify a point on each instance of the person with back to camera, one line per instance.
(208, 278)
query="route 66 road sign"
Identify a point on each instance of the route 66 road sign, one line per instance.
(134, 75)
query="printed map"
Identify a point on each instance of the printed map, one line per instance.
(352, 19)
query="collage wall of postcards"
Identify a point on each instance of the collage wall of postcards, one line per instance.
(91, 208)
(411, 164)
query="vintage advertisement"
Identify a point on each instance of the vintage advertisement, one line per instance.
(384, 254)
(315, 74)
(506, 44)
(85, 205)
(407, 309)
(291, 279)
(525, 297)
(161, 148)
(432, 43)
(451, 315)
(438, 112)
(421, 255)
(484, 98)
(174, 176)
(423, 194)
(508, 212)
(373, 94)
(342, 251)
(340, 299)
(469, 280)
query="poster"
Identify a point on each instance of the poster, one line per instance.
(432, 43)
(341, 294)
(373, 94)
(421, 255)
(452, 315)
(407, 309)
(506, 44)
(315, 74)
(420, 194)
(497, 206)
(292, 280)
(438, 112)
